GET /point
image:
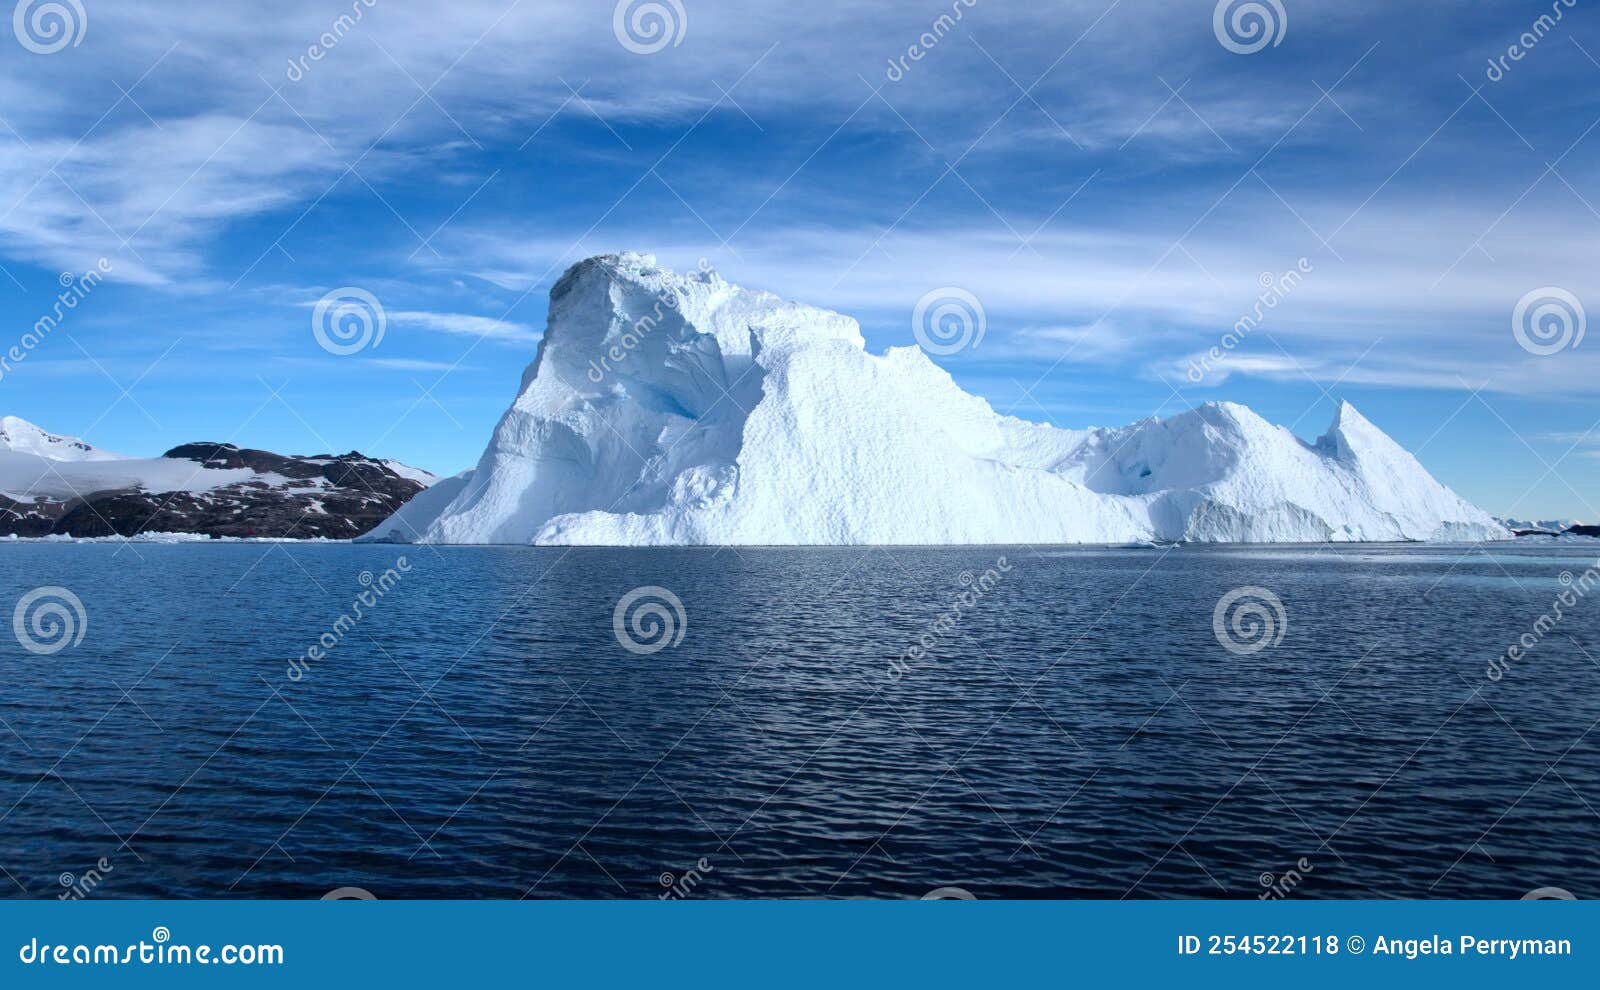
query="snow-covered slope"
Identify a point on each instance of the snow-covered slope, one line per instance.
(425, 478)
(69, 469)
(413, 519)
(1547, 525)
(61, 486)
(18, 436)
(668, 409)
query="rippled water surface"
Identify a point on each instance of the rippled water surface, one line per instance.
(1076, 731)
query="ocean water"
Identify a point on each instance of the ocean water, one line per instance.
(885, 722)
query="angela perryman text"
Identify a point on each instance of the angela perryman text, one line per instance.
(1381, 945)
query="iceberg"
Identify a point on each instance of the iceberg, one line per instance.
(668, 409)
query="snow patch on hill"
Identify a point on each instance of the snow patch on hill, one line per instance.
(18, 436)
(35, 464)
(426, 479)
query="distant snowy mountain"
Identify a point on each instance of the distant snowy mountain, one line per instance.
(668, 409)
(1541, 525)
(52, 485)
(18, 436)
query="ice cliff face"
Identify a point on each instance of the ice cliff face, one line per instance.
(682, 409)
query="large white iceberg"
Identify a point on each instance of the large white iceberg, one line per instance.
(683, 409)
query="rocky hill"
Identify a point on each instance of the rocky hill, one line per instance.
(53, 485)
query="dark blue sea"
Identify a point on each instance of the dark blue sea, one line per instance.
(290, 720)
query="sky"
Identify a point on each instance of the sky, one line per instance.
(1401, 202)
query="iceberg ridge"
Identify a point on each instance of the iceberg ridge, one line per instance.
(666, 409)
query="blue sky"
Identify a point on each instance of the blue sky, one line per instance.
(1109, 179)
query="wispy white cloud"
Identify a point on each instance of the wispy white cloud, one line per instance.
(1407, 302)
(1098, 342)
(198, 144)
(1584, 443)
(162, 145)
(484, 327)
(147, 195)
(416, 364)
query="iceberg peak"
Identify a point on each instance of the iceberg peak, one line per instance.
(1353, 436)
(1347, 417)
